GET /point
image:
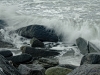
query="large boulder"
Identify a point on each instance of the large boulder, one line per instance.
(2, 24)
(86, 46)
(39, 52)
(6, 68)
(6, 53)
(31, 69)
(57, 71)
(36, 43)
(38, 31)
(87, 69)
(20, 59)
(82, 45)
(91, 58)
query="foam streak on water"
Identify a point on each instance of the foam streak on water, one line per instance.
(71, 18)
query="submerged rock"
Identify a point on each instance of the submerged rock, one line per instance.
(1, 35)
(51, 44)
(20, 59)
(91, 58)
(6, 53)
(87, 69)
(57, 71)
(39, 52)
(38, 31)
(48, 62)
(36, 43)
(6, 68)
(31, 69)
(4, 44)
(2, 24)
(71, 52)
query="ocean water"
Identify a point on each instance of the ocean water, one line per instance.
(71, 18)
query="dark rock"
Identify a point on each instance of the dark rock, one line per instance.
(82, 45)
(68, 66)
(36, 43)
(4, 44)
(31, 69)
(1, 36)
(57, 71)
(74, 45)
(87, 69)
(2, 24)
(38, 31)
(92, 48)
(86, 47)
(48, 62)
(20, 59)
(6, 53)
(1, 72)
(7, 68)
(39, 52)
(91, 58)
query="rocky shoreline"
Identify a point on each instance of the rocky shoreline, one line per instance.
(38, 59)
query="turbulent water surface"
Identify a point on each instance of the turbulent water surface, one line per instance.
(72, 18)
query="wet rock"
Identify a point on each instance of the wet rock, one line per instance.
(68, 66)
(6, 53)
(38, 31)
(86, 47)
(1, 72)
(86, 69)
(57, 71)
(92, 48)
(91, 58)
(4, 44)
(31, 69)
(1, 35)
(39, 52)
(51, 44)
(6, 68)
(48, 62)
(74, 45)
(70, 52)
(20, 59)
(82, 45)
(2, 24)
(36, 43)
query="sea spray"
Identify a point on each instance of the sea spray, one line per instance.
(71, 19)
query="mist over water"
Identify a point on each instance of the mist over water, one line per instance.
(71, 18)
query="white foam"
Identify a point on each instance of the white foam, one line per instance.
(74, 60)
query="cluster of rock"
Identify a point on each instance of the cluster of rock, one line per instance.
(90, 62)
(38, 59)
(34, 60)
